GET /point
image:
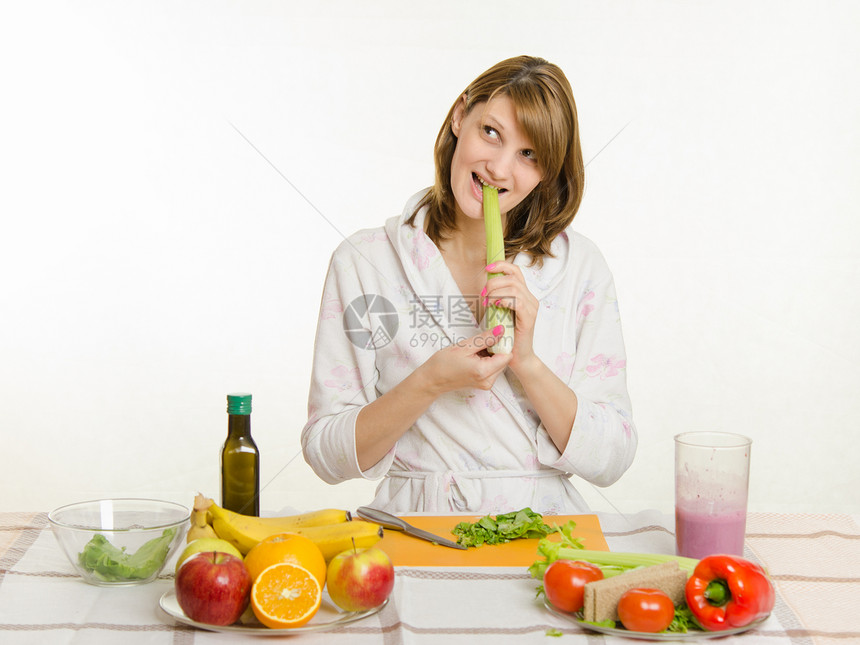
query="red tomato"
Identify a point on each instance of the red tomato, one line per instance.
(645, 610)
(563, 582)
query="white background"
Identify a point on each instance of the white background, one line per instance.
(175, 175)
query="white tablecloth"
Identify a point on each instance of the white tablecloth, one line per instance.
(814, 561)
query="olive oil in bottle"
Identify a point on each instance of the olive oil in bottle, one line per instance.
(240, 460)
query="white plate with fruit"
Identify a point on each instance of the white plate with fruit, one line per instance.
(328, 617)
(276, 576)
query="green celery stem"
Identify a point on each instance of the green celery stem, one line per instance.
(496, 253)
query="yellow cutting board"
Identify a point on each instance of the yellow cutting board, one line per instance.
(405, 550)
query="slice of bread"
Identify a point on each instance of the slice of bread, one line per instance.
(601, 597)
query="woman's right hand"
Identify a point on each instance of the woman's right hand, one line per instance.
(465, 364)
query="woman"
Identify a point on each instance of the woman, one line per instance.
(418, 400)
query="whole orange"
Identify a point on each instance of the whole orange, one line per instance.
(290, 548)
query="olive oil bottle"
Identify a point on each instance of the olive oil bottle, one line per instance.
(240, 460)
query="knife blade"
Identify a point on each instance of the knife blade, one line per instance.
(389, 521)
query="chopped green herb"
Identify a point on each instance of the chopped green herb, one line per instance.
(505, 527)
(111, 564)
(602, 623)
(683, 620)
(552, 631)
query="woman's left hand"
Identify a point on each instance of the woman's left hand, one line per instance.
(509, 290)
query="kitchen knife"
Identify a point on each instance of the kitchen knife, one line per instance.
(389, 521)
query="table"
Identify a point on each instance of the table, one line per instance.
(814, 561)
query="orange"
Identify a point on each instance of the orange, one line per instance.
(285, 595)
(286, 547)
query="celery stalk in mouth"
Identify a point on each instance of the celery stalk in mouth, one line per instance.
(496, 253)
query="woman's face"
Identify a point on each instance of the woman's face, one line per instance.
(491, 148)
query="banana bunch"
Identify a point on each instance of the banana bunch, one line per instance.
(332, 530)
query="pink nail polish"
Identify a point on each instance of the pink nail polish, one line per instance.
(490, 267)
(498, 329)
(497, 303)
(485, 301)
(483, 292)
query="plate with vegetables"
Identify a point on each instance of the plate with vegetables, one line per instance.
(686, 629)
(653, 596)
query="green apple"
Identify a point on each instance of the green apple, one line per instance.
(207, 544)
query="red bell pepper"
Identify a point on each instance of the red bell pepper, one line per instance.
(727, 591)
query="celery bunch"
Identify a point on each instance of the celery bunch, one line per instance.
(611, 563)
(496, 253)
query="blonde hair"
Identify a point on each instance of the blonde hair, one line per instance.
(546, 111)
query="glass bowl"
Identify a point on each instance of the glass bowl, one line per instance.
(113, 542)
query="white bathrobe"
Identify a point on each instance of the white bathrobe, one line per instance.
(389, 302)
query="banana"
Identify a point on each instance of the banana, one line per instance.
(331, 527)
(331, 539)
(336, 538)
(284, 524)
(197, 532)
(200, 526)
(245, 532)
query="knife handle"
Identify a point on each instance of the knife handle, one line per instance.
(386, 520)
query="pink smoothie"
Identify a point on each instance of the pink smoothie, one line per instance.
(699, 535)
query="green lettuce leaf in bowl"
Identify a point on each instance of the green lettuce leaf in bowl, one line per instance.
(110, 564)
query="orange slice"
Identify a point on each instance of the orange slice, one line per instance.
(285, 595)
(286, 547)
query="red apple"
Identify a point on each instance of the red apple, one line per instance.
(360, 579)
(213, 588)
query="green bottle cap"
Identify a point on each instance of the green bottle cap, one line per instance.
(239, 403)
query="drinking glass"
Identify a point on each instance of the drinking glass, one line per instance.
(711, 489)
